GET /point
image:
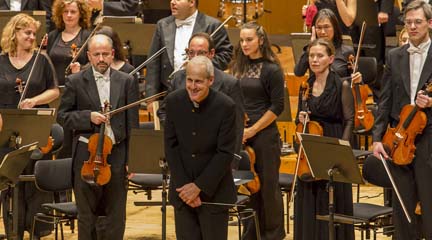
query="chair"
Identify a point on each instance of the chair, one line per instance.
(55, 176)
(239, 210)
(285, 183)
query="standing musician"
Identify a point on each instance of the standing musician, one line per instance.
(173, 32)
(326, 26)
(16, 60)
(330, 104)
(79, 110)
(262, 83)
(201, 44)
(72, 20)
(407, 70)
(199, 147)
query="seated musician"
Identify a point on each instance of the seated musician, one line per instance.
(79, 110)
(407, 71)
(201, 44)
(18, 45)
(199, 147)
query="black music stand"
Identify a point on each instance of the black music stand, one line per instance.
(21, 128)
(338, 165)
(6, 15)
(147, 155)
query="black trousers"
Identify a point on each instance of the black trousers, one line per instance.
(413, 182)
(267, 202)
(202, 223)
(108, 200)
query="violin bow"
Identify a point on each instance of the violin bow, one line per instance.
(31, 72)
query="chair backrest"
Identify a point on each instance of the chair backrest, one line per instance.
(58, 135)
(53, 175)
(367, 66)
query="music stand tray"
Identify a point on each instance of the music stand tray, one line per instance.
(14, 163)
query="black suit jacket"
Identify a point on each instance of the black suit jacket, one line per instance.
(44, 5)
(396, 90)
(159, 70)
(199, 145)
(224, 83)
(120, 7)
(81, 97)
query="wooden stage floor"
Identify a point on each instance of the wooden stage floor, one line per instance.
(144, 223)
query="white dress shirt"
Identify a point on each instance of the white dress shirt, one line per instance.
(183, 33)
(103, 85)
(15, 5)
(417, 59)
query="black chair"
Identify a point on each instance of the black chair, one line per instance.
(55, 176)
(285, 183)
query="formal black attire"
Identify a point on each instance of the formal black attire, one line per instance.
(43, 78)
(331, 4)
(199, 148)
(117, 8)
(29, 5)
(334, 111)
(159, 70)
(79, 100)
(224, 83)
(60, 51)
(339, 65)
(413, 179)
(263, 90)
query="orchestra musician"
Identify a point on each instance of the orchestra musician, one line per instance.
(18, 45)
(172, 32)
(326, 26)
(262, 83)
(199, 147)
(201, 44)
(331, 105)
(407, 70)
(30, 5)
(72, 20)
(85, 93)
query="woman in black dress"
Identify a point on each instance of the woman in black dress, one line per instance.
(262, 83)
(331, 105)
(326, 26)
(72, 20)
(18, 45)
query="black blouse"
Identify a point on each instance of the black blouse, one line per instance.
(263, 89)
(43, 78)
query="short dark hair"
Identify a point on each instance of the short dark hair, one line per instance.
(206, 36)
(329, 14)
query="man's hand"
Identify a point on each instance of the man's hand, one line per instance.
(188, 193)
(97, 118)
(383, 17)
(423, 100)
(378, 149)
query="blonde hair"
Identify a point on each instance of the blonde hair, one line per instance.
(16, 23)
(57, 13)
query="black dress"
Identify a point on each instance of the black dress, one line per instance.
(30, 199)
(263, 90)
(333, 109)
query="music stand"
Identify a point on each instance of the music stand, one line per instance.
(338, 165)
(147, 155)
(6, 15)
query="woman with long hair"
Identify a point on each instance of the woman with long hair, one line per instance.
(262, 82)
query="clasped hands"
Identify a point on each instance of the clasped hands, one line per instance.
(189, 193)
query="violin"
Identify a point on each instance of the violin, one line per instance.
(254, 185)
(399, 141)
(363, 118)
(312, 127)
(96, 170)
(19, 85)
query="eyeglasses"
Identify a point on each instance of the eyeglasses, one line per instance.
(416, 22)
(323, 28)
(192, 53)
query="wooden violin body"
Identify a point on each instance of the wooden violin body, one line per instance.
(254, 185)
(399, 141)
(304, 172)
(363, 118)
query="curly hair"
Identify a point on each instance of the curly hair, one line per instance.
(240, 62)
(18, 22)
(57, 13)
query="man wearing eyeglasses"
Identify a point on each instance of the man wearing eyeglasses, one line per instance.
(406, 73)
(201, 44)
